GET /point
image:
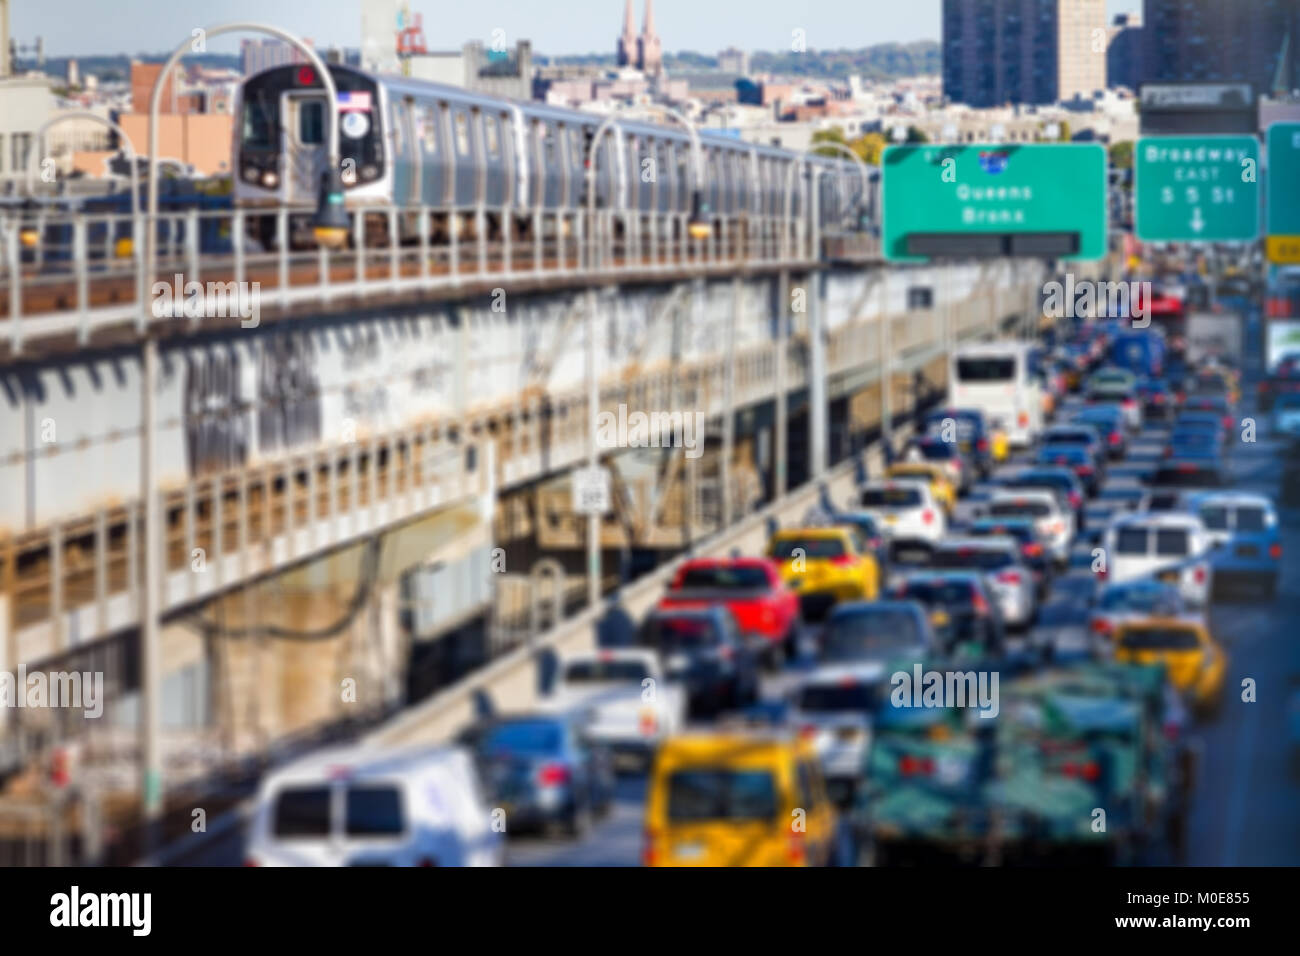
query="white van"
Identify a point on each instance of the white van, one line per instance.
(996, 378)
(358, 806)
(1170, 546)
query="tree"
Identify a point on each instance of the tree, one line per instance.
(869, 147)
(915, 135)
(1121, 154)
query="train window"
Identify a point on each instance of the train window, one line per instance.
(460, 123)
(492, 135)
(311, 122)
(429, 129)
(399, 142)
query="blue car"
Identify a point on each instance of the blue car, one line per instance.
(1195, 444)
(1243, 532)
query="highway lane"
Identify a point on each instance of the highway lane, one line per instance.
(1245, 795)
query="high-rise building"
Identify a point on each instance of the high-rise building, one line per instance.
(1124, 51)
(1229, 41)
(1023, 51)
(732, 60)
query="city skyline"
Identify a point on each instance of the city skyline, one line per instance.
(90, 27)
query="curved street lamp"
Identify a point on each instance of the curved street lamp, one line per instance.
(330, 224)
(830, 144)
(29, 234)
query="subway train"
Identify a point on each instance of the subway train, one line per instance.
(409, 143)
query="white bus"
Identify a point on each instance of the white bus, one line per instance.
(996, 379)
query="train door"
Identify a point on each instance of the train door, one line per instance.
(303, 144)
(406, 153)
(462, 146)
(430, 131)
(497, 153)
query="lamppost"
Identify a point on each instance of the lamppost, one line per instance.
(700, 227)
(30, 235)
(330, 226)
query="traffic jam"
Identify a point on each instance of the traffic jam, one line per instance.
(1002, 648)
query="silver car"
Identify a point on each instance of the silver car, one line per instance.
(997, 557)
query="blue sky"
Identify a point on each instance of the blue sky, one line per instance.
(81, 27)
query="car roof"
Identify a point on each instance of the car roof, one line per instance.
(1163, 519)
(362, 761)
(866, 608)
(1030, 494)
(988, 542)
(836, 673)
(1233, 497)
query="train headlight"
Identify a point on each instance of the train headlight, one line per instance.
(251, 174)
(369, 171)
(270, 180)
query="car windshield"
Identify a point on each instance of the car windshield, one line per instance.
(851, 695)
(1186, 475)
(1160, 639)
(1023, 533)
(1215, 517)
(1251, 519)
(525, 737)
(891, 497)
(740, 795)
(983, 559)
(302, 812)
(1061, 613)
(1015, 509)
(869, 633)
(1133, 599)
(671, 634)
(1172, 542)
(372, 810)
(936, 451)
(911, 553)
(991, 368)
(1074, 436)
(946, 593)
(725, 578)
(606, 672)
(786, 548)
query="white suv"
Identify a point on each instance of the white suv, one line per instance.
(1053, 522)
(905, 508)
(1171, 546)
(359, 806)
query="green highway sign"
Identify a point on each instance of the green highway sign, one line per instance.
(1284, 193)
(1196, 189)
(1045, 200)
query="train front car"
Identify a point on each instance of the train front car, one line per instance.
(282, 146)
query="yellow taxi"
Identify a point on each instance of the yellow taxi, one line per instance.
(937, 475)
(738, 798)
(1193, 660)
(825, 565)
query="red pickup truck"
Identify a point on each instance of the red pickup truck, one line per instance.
(752, 590)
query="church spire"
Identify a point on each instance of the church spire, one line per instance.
(649, 52)
(627, 46)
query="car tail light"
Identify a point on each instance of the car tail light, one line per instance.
(650, 849)
(1101, 626)
(1009, 577)
(980, 605)
(1087, 771)
(796, 848)
(1083, 469)
(1227, 421)
(553, 774)
(249, 861)
(842, 560)
(1022, 419)
(1076, 499)
(648, 723)
(428, 861)
(927, 516)
(1115, 438)
(982, 444)
(1181, 396)
(1186, 469)
(808, 730)
(1199, 574)
(1158, 398)
(1275, 551)
(1128, 403)
(1102, 574)
(726, 653)
(1032, 550)
(874, 543)
(910, 766)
